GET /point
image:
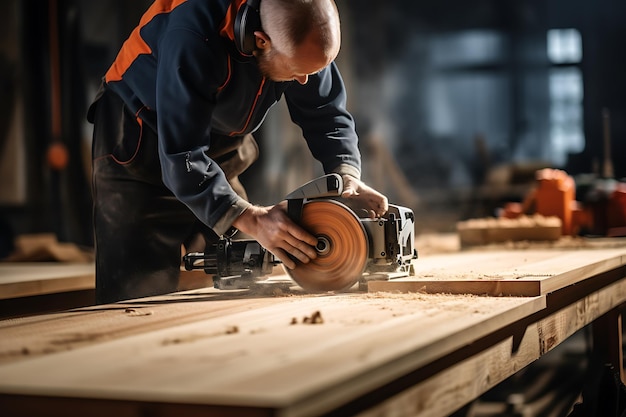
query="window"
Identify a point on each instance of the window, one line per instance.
(564, 46)
(566, 94)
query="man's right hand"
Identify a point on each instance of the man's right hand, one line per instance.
(276, 232)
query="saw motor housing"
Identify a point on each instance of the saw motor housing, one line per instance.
(238, 262)
(391, 241)
(242, 263)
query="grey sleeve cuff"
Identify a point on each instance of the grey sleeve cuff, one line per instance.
(224, 224)
(345, 169)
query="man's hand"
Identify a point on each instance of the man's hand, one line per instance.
(276, 232)
(364, 197)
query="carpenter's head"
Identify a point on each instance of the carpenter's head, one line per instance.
(299, 38)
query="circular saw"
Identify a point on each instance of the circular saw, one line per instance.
(350, 248)
(342, 247)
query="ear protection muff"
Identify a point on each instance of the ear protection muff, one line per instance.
(247, 21)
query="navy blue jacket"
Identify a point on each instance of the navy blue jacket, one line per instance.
(180, 72)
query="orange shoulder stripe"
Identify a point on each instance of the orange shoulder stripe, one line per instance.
(227, 28)
(135, 45)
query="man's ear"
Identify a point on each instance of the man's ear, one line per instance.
(262, 40)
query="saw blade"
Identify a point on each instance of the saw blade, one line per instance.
(342, 249)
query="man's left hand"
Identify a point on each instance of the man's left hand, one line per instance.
(364, 196)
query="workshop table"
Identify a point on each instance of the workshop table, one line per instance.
(23, 279)
(28, 288)
(269, 352)
(40, 287)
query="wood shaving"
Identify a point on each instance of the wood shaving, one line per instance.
(315, 318)
(137, 313)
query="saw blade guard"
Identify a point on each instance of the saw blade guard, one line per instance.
(342, 249)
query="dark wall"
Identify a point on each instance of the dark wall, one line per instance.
(66, 46)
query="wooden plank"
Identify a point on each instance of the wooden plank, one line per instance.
(488, 230)
(511, 273)
(453, 387)
(27, 279)
(255, 356)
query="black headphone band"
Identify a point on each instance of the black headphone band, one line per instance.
(247, 21)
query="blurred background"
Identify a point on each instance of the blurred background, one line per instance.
(457, 104)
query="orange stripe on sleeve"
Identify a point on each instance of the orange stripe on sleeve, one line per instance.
(135, 44)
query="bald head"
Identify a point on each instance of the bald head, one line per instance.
(291, 23)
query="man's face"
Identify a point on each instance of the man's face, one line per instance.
(307, 60)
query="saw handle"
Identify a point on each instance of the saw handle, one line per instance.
(329, 185)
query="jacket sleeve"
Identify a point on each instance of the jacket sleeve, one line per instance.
(319, 108)
(189, 73)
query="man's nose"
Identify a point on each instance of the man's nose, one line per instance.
(302, 79)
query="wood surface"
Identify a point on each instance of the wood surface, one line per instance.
(502, 272)
(247, 353)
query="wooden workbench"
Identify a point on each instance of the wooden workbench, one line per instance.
(40, 287)
(24, 279)
(28, 288)
(271, 353)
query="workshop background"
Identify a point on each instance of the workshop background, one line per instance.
(457, 103)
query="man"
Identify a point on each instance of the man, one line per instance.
(172, 126)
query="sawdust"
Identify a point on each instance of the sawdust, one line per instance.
(377, 306)
(430, 304)
(77, 338)
(190, 338)
(315, 318)
(137, 313)
(418, 296)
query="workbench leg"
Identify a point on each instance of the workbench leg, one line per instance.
(604, 393)
(607, 340)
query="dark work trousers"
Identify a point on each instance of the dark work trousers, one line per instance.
(139, 225)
